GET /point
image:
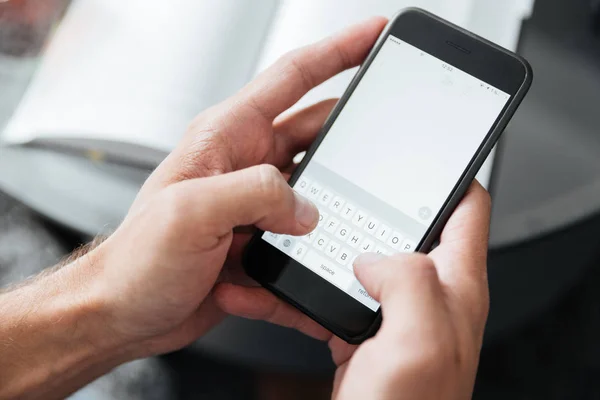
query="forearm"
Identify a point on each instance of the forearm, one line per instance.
(52, 336)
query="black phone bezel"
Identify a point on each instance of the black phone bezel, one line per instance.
(325, 303)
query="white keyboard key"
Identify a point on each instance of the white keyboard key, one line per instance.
(383, 250)
(331, 225)
(310, 237)
(325, 198)
(328, 269)
(271, 238)
(383, 233)
(299, 251)
(302, 185)
(372, 225)
(332, 249)
(344, 257)
(287, 243)
(322, 218)
(314, 191)
(395, 240)
(408, 246)
(337, 204)
(348, 211)
(321, 242)
(367, 246)
(355, 238)
(343, 232)
(360, 218)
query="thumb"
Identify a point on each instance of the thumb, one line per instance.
(254, 196)
(407, 286)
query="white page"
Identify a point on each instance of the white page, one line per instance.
(138, 71)
(299, 23)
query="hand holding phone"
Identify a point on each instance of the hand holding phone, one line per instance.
(434, 310)
(391, 164)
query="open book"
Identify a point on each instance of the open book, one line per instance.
(122, 79)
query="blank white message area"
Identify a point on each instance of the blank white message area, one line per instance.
(410, 129)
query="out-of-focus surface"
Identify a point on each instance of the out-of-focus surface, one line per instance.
(24, 28)
(24, 24)
(545, 169)
(554, 356)
(27, 244)
(548, 173)
(549, 159)
(551, 353)
(97, 197)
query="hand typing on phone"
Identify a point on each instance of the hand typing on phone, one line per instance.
(171, 271)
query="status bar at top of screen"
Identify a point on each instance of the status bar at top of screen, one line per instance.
(450, 69)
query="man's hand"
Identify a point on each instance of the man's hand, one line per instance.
(148, 288)
(434, 311)
(160, 266)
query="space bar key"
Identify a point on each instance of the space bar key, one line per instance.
(328, 270)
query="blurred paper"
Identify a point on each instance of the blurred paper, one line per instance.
(125, 78)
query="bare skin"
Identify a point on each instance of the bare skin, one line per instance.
(171, 271)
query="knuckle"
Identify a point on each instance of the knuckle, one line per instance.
(206, 154)
(271, 183)
(202, 163)
(343, 58)
(172, 205)
(293, 61)
(417, 264)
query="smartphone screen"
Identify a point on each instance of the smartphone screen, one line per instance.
(390, 161)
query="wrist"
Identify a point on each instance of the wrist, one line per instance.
(54, 336)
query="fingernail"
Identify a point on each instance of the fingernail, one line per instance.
(366, 259)
(307, 213)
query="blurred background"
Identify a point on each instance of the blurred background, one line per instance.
(66, 175)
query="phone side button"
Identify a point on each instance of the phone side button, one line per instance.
(357, 291)
(327, 270)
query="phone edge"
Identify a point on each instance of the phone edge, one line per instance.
(453, 199)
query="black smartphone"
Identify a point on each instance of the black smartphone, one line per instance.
(392, 162)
